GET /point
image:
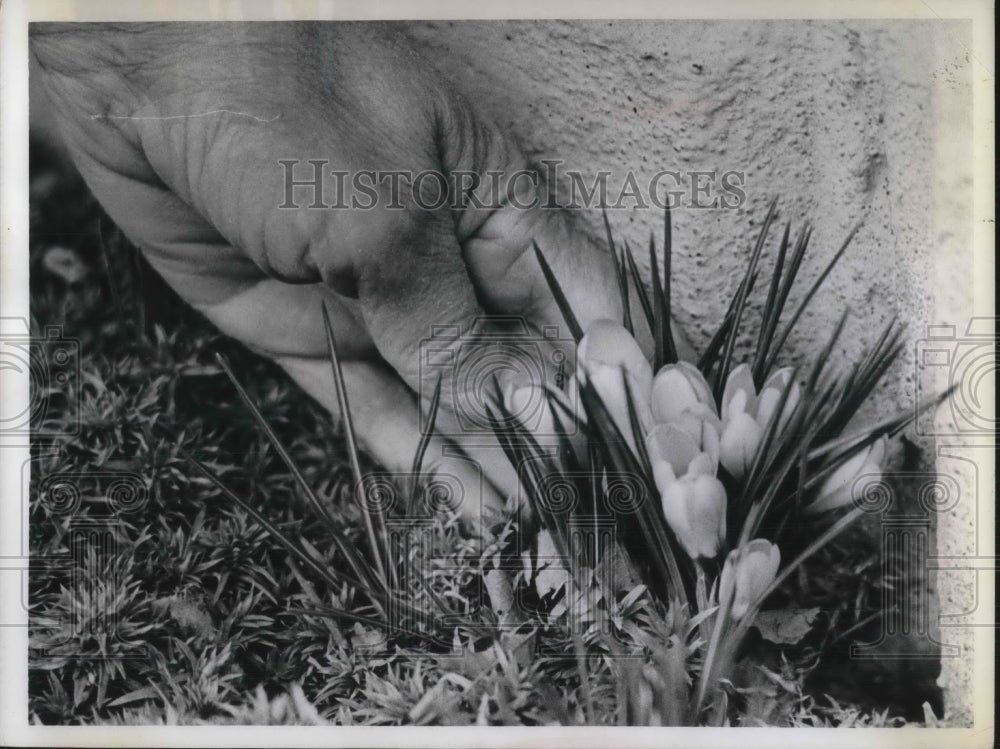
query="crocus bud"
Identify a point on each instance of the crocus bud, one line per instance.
(678, 388)
(695, 509)
(739, 386)
(747, 573)
(771, 394)
(608, 342)
(741, 435)
(852, 478)
(604, 353)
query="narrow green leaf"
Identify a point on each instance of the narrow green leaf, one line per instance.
(710, 360)
(358, 564)
(659, 323)
(771, 311)
(425, 439)
(669, 346)
(808, 297)
(374, 524)
(333, 578)
(620, 274)
(623, 290)
(658, 537)
(741, 301)
(557, 293)
(640, 287)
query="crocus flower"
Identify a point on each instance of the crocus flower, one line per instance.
(770, 396)
(852, 478)
(747, 573)
(674, 452)
(694, 500)
(695, 508)
(681, 397)
(606, 352)
(745, 415)
(678, 388)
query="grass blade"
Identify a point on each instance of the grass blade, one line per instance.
(741, 301)
(425, 439)
(334, 579)
(358, 564)
(619, 274)
(659, 323)
(623, 289)
(640, 287)
(373, 520)
(669, 347)
(709, 360)
(808, 297)
(771, 311)
(116, 298)
(564, 307)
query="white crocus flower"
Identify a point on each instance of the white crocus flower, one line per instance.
(693, 499)
(745, 415)
(852, 479)
(747, 573)
(606, 352)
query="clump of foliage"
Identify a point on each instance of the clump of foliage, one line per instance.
(198, 559)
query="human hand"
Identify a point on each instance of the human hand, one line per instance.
(179, 130)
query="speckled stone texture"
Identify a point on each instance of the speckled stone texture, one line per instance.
(844, 122)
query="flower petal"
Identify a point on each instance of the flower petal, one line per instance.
(706, 509)
(677, 388)
(771, 394)
(609, 383)
(608, 342)
(695, 509)
(740, 380)
(671, 444)
(839, 486)
(741, 437)
(755, 570)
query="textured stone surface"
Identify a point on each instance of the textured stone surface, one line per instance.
(843, 121)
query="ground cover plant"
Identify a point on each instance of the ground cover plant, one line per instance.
(235, 581)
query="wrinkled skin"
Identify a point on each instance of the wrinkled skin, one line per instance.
(200, 194)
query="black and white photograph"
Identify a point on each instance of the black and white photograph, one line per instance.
(541, 368)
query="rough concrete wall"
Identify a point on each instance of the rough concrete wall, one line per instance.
(844, 121)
